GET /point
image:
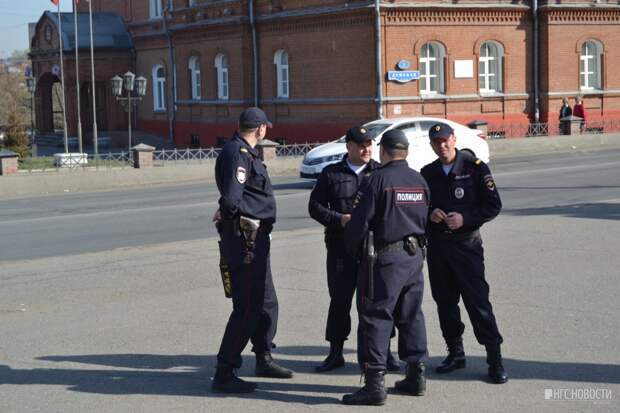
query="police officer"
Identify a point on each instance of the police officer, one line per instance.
(464, 197)
(331, 203)
(393, 203)
(247, 213)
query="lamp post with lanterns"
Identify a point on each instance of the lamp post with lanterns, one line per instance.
(135, 88)
(31, 85)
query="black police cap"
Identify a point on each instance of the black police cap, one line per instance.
(395, 138)
(358, 134)
(440, 130)
(253, 118)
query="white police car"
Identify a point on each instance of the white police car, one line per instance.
(416, 129)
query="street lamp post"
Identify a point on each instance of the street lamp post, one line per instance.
(31, 85)
(131, 84)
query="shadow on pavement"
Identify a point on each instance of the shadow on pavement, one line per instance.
(590, 210)
(142, 374)
(294, 185)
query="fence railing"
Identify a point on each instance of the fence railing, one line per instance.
(512, 130)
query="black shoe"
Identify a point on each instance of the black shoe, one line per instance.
(391, 363)
(415, 382)
(266, 367)
(497, 373)
(334, 360)
(226, 381)
(455, 359)
(372, 394)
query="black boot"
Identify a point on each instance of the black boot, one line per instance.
(372, 394)
(266, 367)
(334, 359)
(391, 363)
(497, 374)
(415, 381)
(455, 359)
(226, 381)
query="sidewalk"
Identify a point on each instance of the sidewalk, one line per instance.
(88, 180)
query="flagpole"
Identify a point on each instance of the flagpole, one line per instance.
(92, 71)
(77, 78)
(62, 81)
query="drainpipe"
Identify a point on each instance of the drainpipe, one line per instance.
(171, 116)
(254, 51)
(536, 60)
(378, 59)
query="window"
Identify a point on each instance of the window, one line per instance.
(194, 75)
(159, 88)
(280, 59)
(590, 65)
(431, 69)
(490, 67)
(221, 66)
(155, 8)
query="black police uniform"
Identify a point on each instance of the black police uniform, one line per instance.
(333, 196)
(456, 257)
(394, 204)
(246, 190)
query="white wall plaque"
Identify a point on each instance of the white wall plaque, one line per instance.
(463, 69)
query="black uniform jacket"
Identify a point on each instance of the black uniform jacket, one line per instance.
(393, 202)
(469, 189)
(334, 195)
(243, 182)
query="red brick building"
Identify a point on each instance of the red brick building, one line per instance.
(319, 66)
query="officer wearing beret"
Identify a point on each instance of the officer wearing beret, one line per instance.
(393, 204)
(331, 203)
(245, 220)
(464, 197)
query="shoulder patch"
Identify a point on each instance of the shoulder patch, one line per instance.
(243, 150)
(478, 161)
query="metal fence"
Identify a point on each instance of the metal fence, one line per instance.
(513, 130)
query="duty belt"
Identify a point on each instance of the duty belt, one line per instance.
(396, 246)
(458, 236)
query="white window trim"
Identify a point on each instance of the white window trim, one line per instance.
(591, 65)
(223, 84)
(486, 74)
(282, 75)
(159, 89)
(155, 9)
(195, 83)
(426, 62)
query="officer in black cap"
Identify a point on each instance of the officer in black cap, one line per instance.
(331, 203)
(393, 204)
(464, 197)
(245, 219)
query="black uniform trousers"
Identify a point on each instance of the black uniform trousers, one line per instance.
(397, 301)
(456, 269)
(255, 305)
(341, 283)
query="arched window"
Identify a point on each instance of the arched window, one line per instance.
(155, 8)
(280, 59)
(490, 67)
(221, 66)
(159, 88)
(432, 71)
(590, 65)
(194, 74)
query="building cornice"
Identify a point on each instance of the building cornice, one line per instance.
(455, 16)
(597, 16)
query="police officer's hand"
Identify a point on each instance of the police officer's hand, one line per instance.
(454, 220)
(217, 217)
(438, 215)
(344, 219)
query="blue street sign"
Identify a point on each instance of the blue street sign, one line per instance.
(403, 76)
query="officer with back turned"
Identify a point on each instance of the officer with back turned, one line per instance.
(331, 203)
(464, 197)
(393, 204)
(245, 220)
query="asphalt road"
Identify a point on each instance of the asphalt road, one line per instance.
(575, 184)
(88, 327)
